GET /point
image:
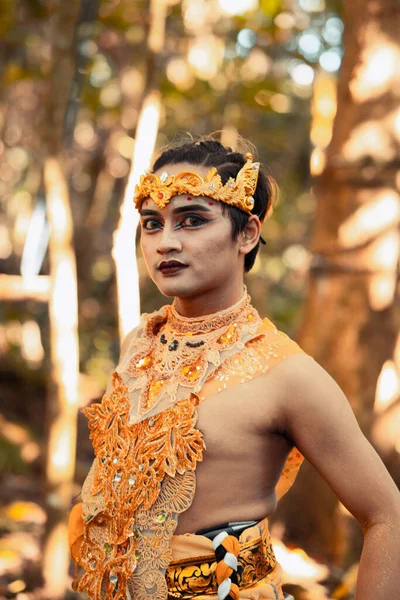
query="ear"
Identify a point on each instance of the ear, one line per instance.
(250, 235)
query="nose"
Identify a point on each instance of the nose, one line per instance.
(168, 241)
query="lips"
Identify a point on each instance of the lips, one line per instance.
(170, 267)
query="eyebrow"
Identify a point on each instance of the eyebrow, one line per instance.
(147, 212)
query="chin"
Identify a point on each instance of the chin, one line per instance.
(172, 291)
(171, 287)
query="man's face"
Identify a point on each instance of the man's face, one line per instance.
(188, 246)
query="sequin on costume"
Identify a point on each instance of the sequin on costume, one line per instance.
(132, 462)
(174, 355)
(147, 446)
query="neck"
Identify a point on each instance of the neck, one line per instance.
(209, 302)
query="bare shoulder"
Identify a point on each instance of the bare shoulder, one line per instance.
(303, 393)
(272, 393)
(298, 373)
(299, 367)
(304, 383)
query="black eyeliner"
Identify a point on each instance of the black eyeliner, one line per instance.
(186, 216)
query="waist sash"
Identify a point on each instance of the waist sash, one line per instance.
(194, 576)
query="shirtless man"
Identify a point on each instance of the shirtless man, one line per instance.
(210, 410)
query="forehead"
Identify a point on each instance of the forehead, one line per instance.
(174, 169)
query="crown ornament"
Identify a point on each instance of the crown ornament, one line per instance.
(235, 192)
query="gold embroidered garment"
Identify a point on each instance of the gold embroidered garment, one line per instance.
(147, 446)
(192, 571)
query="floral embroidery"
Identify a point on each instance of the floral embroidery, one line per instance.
(156, 528)
(147, 446)
(175, 352)
(132, 462)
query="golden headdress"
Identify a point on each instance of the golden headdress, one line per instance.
(236, 192)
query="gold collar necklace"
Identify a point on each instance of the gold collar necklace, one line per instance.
(205, 326)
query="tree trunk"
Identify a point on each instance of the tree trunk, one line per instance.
(124, 247)
(351, 322)
(62, 402)
(63, 398)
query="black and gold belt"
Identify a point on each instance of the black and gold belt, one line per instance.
(189, 577)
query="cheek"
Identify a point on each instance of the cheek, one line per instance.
(147, 247)
(215, 244)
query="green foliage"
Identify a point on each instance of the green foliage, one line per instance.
(271, 7)
(11, 460)
(38, 8)
(7, 16)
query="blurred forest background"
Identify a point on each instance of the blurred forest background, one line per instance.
(91, 90)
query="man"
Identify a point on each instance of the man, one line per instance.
(202, 425)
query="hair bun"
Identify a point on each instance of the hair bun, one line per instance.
(236, 158)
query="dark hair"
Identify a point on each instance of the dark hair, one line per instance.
(211, 153)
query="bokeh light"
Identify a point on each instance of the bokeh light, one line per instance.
(81, 182)
(196, 14)
(331, 60)
(237, 7)
(110, 95)
(257, 65)
(118, 167)
(5, 242)
(179, 73)
(310, 44)
(280, 103)
(285, 20)
(125, 146)
(18, 158)
(312, 5)
(333, 31)
(247, 38)
(101, 71)
(301, 73)
(31, 343)
(84, 135)
(205, 56)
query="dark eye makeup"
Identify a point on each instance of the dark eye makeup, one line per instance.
(187, 222)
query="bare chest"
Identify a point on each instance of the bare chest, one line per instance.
(244, 451)
(243, 418)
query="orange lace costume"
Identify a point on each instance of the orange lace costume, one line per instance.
(147, 447)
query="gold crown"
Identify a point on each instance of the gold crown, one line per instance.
(236, 192)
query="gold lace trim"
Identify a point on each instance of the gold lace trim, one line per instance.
(156, 527)
(143, 474)
(175, 355)
(205, 324)
(131, 463)
(257, 358)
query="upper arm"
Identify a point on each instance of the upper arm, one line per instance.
(322, 425)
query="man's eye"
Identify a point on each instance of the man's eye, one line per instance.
(150, 224)
(192, 221)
